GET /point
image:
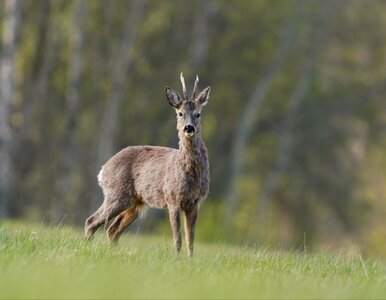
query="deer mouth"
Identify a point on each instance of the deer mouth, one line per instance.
(189, 131)
(188, 134)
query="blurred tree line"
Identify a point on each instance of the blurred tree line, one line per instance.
(295, 126)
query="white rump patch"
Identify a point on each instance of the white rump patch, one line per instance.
(100, 177)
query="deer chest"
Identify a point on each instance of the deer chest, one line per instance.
(194, 188)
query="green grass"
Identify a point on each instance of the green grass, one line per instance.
(51, 262)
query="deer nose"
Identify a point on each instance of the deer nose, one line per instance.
(189, 129)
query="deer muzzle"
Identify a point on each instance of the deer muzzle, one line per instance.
(189, 130)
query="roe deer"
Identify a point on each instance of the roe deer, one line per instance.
(159, 177)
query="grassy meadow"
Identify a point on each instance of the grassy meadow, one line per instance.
(39, 261)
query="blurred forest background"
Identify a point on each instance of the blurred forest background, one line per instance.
(295, 126)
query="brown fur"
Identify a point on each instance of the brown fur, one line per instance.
(159, 177)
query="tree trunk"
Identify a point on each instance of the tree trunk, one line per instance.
(7, 89)
(30, 100)
(120, 68)
(201, 43)
(320, 30)
(253, 107)
(73, 99)
(36, 83)
(38, 80)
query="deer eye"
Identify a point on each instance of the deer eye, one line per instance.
(180, 114)
(198, 115)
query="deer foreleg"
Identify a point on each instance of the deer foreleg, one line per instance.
(175, 222)
(190, 225)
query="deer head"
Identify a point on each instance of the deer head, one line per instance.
(188, 110)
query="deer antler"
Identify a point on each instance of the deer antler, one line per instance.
(195, 87)
(184, 92)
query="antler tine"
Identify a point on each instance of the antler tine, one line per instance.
(195, 87)
(185, 93)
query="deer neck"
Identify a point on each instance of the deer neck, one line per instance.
(193, 151)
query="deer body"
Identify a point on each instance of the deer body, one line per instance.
(158, 177)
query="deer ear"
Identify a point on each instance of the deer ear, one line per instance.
(204, 96)
(173, 97)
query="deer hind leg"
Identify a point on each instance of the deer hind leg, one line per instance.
(175, 222)
(121, 222)
(107, 211)
(93, 222)
(190, 225)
